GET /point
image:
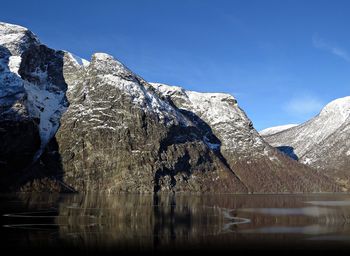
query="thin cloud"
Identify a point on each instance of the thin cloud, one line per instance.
(304, 106)
(320, 43)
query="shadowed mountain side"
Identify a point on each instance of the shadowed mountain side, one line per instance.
(289, 151)
(201, 132)
(19, 133)
(19, 142)
(46, 174)
(20, 127)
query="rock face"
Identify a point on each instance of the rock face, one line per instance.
(19, 132)
(322, 142)
(97, 126)
(117, 136)
(229, 131)
(30, 84)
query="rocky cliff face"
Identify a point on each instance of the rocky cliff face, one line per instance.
(32, 99)
(260, 167)
(322, 142)
(96, 126)
(118, 136)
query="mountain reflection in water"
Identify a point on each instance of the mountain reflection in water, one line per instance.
(174, 222)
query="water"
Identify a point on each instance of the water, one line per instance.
(168, 223)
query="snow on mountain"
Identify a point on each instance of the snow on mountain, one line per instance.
(116, 132)
(339, 109)
(48, 107)
(119, 135)
(35, 92)
(332, 153)
(79, 61)
(16, 39)
(231, 132)
(304, 137)
(275, 129)
(14, 63)
(112, 73)
(221, 112)
(323, 141)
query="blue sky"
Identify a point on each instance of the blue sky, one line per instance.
(283, 60)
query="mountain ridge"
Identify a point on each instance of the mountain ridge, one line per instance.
(276, 129)
(321, 142)
(100, 127)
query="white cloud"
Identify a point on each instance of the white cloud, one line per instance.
(304, 105)
(320, 43)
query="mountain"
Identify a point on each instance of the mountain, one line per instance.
(259, 166)
(69, 124)
(32, 99)
(276, 129)
(322, 142)
(115, 136)
(126, 138)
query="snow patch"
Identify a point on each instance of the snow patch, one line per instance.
(14, 63)
(105, 126)
(103, 56)
(16, 38)
(80, 61)
(339, 107)
(307, 160)
(276, 129)
(10, 33)
(222, 113)
(129, 87)
(48, 107)
(273, 158)
(115, 74)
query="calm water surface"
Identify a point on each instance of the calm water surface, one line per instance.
(174, 222)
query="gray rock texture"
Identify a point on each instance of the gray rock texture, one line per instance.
(97, 126)
(258, 165)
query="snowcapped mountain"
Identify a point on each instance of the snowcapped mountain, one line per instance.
(32, 96)
(276, 129)
(26, 79)
(233, 134)
(127, 139)
(95, 125)
(322, 142)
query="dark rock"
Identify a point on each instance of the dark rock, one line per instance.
(19, 142)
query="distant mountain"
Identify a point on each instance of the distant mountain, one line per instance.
(322, 142)
(276, 129)
(68, 124)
